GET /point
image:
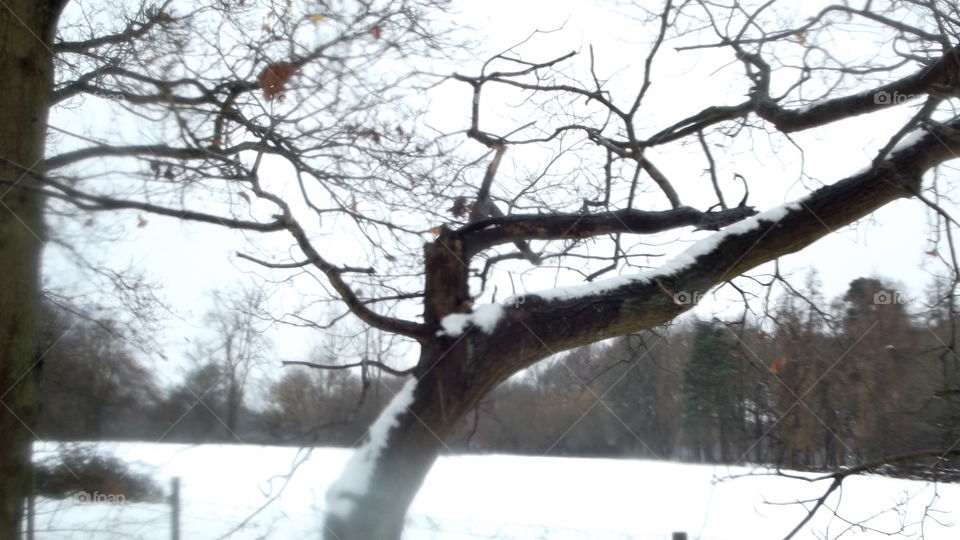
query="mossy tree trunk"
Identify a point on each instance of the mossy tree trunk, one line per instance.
(26, 75)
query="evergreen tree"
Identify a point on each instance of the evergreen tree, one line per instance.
(710, 409)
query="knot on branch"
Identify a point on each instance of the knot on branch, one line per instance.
(714, 221)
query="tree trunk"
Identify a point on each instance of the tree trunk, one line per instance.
(26, 67)
(444, 394)
(452, 377)
(400, 470)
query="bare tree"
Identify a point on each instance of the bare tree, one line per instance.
(224, 87)
(237, 347)
(234, 91)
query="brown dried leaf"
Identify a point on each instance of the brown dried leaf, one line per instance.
(273, 79)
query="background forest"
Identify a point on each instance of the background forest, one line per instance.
(802, 388)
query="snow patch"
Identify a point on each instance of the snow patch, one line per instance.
(682, 261)
(354, 481)
(485, 317)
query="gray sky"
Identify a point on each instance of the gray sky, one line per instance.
(191, 260)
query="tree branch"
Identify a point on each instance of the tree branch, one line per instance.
(487, 233)
(374, 363)
(626, 305)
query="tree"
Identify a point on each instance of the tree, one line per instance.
(712, 406)
(238, 345)
(27, 31)
(195, 408)
(93, 386)
(278, 91)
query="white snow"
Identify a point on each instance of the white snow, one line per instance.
(355, 478)
(682, 261)
(498, 496)
(485, 317)
(908, 140)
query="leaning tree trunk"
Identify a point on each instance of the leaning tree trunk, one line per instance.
(452, 377)
(446, 390)
(26, 67)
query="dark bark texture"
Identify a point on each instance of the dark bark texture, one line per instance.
(26, 62)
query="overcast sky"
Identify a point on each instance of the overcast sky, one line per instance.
(191, 260)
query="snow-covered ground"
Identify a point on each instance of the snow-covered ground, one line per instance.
(224, 489)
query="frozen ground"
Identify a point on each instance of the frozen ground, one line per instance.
(498, 496)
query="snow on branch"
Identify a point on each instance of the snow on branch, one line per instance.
(484, 317)
(679, 263)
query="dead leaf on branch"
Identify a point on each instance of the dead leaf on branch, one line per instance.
(273, 79)
(367, 133)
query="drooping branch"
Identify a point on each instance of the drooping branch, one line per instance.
(334, 275)
(837, 478)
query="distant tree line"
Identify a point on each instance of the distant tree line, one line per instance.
(804, 386)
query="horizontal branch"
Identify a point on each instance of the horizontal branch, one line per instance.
(939, 77)
(151, 151)
(373, 363)
(300, 264)
(487, 233)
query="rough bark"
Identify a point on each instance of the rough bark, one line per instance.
(26, 62)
